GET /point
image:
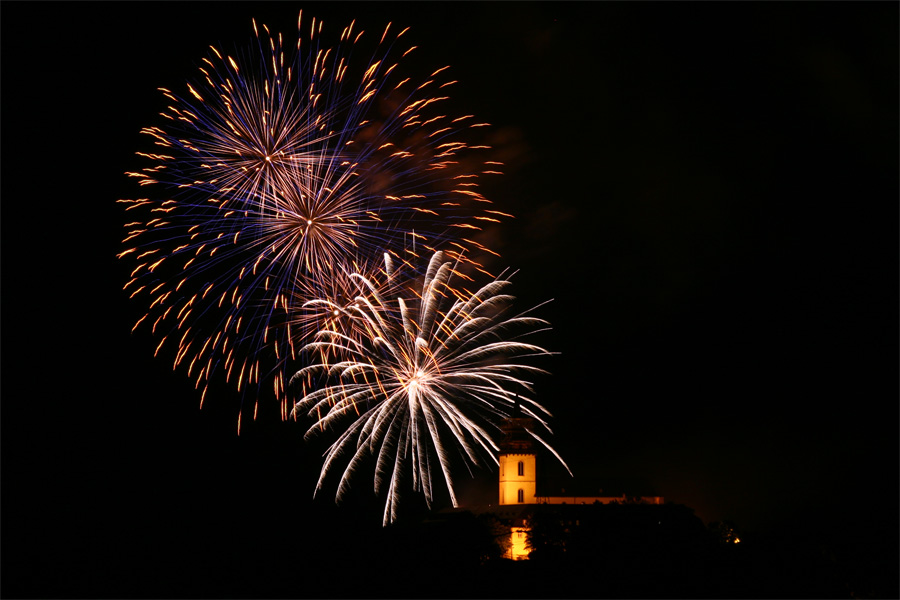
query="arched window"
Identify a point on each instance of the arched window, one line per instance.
(521, 497)
(521, 469)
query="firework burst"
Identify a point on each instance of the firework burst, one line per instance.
(279, 168)
(419, 380)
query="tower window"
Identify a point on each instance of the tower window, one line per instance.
(521, 495)
(521, 469)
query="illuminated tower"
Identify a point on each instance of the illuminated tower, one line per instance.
(517, 462)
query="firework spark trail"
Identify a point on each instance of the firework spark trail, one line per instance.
(280, 168)
(431, 377)
(355, 286)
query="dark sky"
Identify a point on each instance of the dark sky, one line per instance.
(707, 191)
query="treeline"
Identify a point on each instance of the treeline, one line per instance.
(615, 551)
(319, 550)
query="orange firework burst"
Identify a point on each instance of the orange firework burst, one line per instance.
(277, 169)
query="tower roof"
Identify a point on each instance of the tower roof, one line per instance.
(516, 439)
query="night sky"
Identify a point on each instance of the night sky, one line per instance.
(708, 192)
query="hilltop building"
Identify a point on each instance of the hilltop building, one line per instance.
(520, 491)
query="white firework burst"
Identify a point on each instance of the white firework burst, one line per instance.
(419, 379)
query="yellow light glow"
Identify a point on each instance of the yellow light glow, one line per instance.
(518, 547)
